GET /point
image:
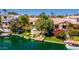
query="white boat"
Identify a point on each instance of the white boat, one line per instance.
(71, 46)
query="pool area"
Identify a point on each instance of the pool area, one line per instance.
(19, 43)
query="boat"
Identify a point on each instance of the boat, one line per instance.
(72, 45)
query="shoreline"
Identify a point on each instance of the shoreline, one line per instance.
(53, 42)
(39, 40)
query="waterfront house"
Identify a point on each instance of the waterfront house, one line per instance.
(59, 23)
(74, 20)
(5, 22)
(62, 23)
(32, 20)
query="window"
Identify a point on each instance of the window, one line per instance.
(5, 23)
(64, 26)
(4, 27)
(31, 23)
(5, 17)
(8, 27)
(56, 26)
(9, 22)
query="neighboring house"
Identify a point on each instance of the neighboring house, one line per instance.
(34, 30)
(32, 20)
(62, 23)
(73, 19)
(59, 23)
(5, 23)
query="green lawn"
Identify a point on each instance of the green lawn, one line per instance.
(54, 40)
(25, 34)
(75, 38)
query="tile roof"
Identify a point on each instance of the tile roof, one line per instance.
(61, 20)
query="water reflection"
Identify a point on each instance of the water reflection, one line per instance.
(20, 43)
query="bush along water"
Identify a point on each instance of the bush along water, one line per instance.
(62, 35)
(1, 31)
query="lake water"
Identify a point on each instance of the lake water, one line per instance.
(20, 43)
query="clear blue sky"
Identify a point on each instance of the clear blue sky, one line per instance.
(47, 11)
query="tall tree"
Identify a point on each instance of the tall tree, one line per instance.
(24, 19)
(24, 22)
(13, 25)
(44, 22)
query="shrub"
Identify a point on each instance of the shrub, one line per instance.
(1, 31)
(14, 30)
(74, 32)
(61, 35)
